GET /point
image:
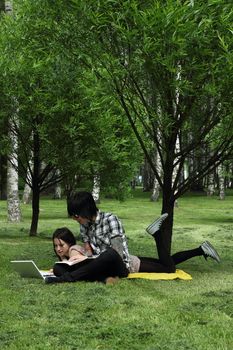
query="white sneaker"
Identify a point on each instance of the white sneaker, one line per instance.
(209, 250)
(155, 226)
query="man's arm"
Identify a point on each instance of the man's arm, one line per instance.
(117, 238)
(85, 239)
(117, 244)
(88, 249)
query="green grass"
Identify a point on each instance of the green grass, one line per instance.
(133, 314)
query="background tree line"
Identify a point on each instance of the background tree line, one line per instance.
(83, 80)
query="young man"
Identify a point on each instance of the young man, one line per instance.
(99, 231)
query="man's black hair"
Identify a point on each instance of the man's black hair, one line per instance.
(82, 204)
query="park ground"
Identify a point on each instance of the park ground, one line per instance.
(132, 314)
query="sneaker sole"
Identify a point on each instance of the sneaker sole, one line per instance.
(215, 255)
(151, 228)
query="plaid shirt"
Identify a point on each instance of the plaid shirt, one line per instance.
(100, 233)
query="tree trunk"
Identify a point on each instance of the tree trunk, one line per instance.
(210, 188)
(96, 189)
(27, 189)
(57, 190)
(3, 177)
(230, 177)
(13, 204)
(35, 210)
(166, 228)
(9, 7)
(155, 192)
(221, 182)
(168, 203)
(35, 183)
(26, 194)
(147, 177)
(2, 5)
(156, 186)
(175, 170)
(186, 170)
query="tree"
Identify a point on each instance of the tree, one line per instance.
(134, 43)
(29, 74)
(12, 179)
(61, 125)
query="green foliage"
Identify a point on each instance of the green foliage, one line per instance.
(169, 65)
(85, 76)
(78, 126)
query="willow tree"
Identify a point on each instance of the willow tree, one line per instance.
(169, 66)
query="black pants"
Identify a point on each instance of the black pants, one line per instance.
(108, 264)
(165, 262)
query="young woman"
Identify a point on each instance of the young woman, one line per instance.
(95, 268)
(110, 264)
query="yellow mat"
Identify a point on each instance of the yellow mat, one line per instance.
(179, 274)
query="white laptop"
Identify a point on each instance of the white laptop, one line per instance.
(27, 268)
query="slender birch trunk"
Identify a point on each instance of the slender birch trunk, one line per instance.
(27, 189)
(57, 190)
(26, 194)
(155, 192)
(210, 188)
(221, 182)
(175, 170)
(9, 7)
(13, 203)
(177, 146)
(96, 188)
(156, 186)
(147, 177)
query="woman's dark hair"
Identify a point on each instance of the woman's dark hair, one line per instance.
(82, 204)
(66, 235)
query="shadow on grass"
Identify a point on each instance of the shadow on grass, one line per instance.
(23, 233)
(212, 220)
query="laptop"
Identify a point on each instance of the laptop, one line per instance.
(27, 268)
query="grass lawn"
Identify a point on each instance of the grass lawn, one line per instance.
(133, 314)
